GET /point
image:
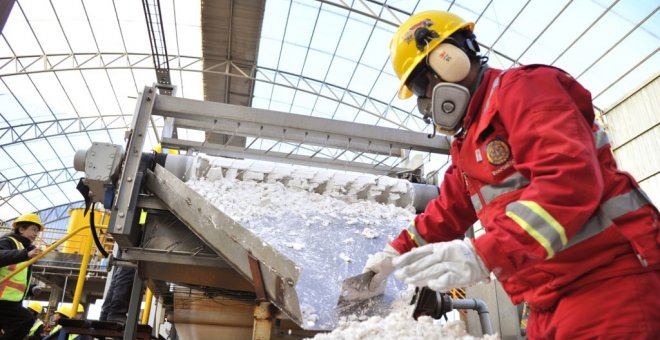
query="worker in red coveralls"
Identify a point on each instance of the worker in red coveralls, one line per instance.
(566, 230)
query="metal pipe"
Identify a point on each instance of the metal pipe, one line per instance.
(80, 283)
(66, 281)
(95, 271)
(26, 264)
(147, 306)
(481, 308)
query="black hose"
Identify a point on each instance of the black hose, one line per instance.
(95, 236)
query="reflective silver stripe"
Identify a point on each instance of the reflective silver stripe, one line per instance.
(618, 206)
(511, 183)
(601, 138)
(415, 236)
(476, 202)
(540, 227)
(496, 83)
(611, 209)
(493, 191)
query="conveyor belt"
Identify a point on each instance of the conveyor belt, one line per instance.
(305, 252)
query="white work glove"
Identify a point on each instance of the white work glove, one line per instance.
(381, 264)
(441, 266)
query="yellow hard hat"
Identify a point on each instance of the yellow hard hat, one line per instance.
(65, 310)
(81, 309)
(35, 306)
(32, 218)
(403, 48)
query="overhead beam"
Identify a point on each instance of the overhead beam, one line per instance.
(307, 129)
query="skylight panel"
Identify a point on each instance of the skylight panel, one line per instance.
(495, 21)
(75, 25)
(23, 158)
(19, 36)
(364, 79)
(133, 27)
(593, 43)
(324, 108)
(190, 40)
(304, 101)
(300, 25)
(17, 205)
(408, 6)
(355, 37)
(55, 194)
(28, 96)
(8, 167)
(48, 157)
(37, 199)
(101, 91)
(531, 23)
(340, 71)
(104, 25)
(273, 24)
(192, 83)
(385, 87)
(53, 94)
(293, 58)
(125, 88)
(45, 26)
(80, 140)
(317, 65)
(377, 49)
(11, 110)
(284, 95)
(269, 52)
(82, 101)
(186, 38)
(64, 147)
(328, 30)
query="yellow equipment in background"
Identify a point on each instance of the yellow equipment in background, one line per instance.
(76, 243)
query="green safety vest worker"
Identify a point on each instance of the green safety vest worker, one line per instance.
(36, 326)
(15, 288)
(57, 329)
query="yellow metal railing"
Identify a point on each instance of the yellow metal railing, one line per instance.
(50, 248)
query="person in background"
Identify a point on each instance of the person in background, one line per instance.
(63, 312)
(565, 229)
(118, 297)
(36, 332)
(16, 248)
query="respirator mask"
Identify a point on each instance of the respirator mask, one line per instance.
(448, 104)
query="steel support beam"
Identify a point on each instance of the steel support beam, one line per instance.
(123, 221)
(297, 128)
(134, 307)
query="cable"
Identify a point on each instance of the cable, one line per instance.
(95, 236)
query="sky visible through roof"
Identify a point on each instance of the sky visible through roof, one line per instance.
(70, 71)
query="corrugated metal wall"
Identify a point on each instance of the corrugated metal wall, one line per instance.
(633, 126)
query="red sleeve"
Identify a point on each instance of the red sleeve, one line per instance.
(445, 218)
(549, 117)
